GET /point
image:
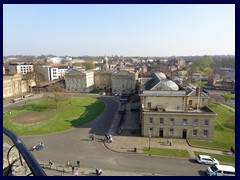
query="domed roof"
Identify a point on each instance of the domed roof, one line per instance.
(172, 85)
(161, 75)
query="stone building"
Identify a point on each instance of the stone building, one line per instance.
(170, 111)
(79, 80)
(14, 85)
(124, 82)
(102, 79)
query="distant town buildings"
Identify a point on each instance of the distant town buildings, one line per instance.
(52, 72)
(20, 67)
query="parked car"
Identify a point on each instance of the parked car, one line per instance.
(204, 159)
(220, 170)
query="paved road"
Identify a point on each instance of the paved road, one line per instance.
(219, 92)
(75, 145)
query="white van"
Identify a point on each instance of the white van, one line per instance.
(220, 170)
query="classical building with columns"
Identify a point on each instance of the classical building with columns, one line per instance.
(79, 80)
(171, 111)
(124, 81)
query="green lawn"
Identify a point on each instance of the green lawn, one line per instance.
(224, 134)
(81, 111)
(225, 117)
(221, 158)
(202, 82)
(167, 152)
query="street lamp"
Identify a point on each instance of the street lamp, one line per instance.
(149, 141)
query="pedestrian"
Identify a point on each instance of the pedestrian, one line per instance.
(232, 150)
(98, 171)
(72, 170)
(50, 163)
(78, 163)
(170, 142)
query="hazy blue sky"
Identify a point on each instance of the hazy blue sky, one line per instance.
(128, 30)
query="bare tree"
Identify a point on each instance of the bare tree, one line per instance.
(56, 93)
(217, 98)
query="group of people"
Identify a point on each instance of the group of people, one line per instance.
(38, 147)
(108, 137)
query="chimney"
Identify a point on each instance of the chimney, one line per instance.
(198, 90)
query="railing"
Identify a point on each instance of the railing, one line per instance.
(32, 163)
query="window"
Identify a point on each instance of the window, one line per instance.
(171, 132)
(161, 121)
(150, 131)
(150, 120)
(206, 122)
(149, 105)
(195, 122)
(205, 133)
(171, 121)
(190, 102)
(184, 122)
(194, 132)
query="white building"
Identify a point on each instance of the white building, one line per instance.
(54, 72)
(20, 67)
(79, 81)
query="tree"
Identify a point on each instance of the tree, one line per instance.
(90, 64)
(226, 97)
(56, 93)
(207, 71)
(78, 64)
(217, 98)
(203, 62)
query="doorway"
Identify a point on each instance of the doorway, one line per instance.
(184, 134)
(161, 132)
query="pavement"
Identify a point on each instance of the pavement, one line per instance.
(128, 141)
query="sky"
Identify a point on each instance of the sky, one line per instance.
(121, 29)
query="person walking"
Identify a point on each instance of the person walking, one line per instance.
(78, 163)
(72, 170)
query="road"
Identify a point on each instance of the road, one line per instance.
(75, 145)
(220, 92)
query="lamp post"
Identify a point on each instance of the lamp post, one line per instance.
(149, 142)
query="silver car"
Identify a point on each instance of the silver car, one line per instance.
(204, 159)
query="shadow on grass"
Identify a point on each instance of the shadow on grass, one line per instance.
(91, 112)
(34, 107)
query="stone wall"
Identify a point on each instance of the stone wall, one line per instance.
(15, 169)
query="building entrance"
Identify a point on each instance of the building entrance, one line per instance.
(161, 132)
(184, 134)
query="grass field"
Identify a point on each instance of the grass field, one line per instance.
(81, 111)
(167, 152)
(224, 134)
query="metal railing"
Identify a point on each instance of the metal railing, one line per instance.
(32, 163)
